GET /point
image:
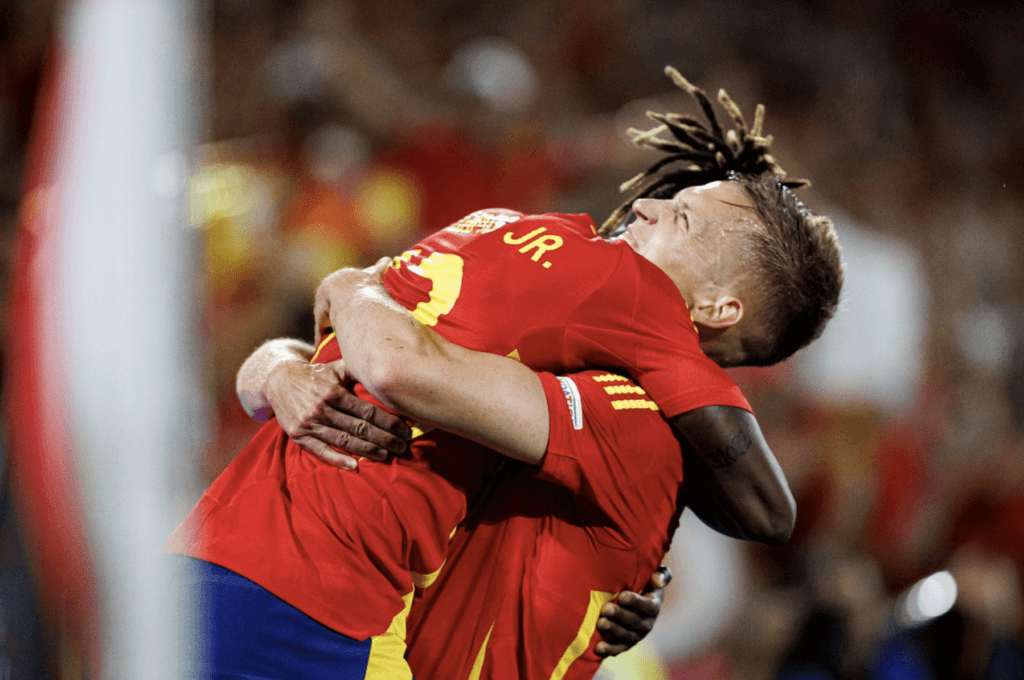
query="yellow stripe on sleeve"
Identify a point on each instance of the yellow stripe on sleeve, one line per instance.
(624, 404)
(624, 389)
(609, 377)
(320, 347)
(587, 628)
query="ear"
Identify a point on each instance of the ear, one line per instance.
(720, 312)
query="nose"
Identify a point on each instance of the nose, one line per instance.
(646, 209)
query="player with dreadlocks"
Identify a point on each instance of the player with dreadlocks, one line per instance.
(547, 290)
(794, 258)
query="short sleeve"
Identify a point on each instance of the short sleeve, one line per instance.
(638, 321)
(609, 444)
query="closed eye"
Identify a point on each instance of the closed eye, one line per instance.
(680, 212)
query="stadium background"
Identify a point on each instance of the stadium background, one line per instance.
(335, 132)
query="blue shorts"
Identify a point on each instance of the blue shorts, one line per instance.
(252, 634)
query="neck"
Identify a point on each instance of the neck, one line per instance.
(722, 345)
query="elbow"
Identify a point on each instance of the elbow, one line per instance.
(386, 377)
(778, 533)
(777, 525)
(401, 379)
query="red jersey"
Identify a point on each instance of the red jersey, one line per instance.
(549, 291)
(528, 573)
(346, 548)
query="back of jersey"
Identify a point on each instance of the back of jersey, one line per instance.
(496, 275)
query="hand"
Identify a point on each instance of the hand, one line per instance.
(624, 623)
(336, 286)
(318, 412)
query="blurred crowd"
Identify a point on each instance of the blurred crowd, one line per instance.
(340, 131)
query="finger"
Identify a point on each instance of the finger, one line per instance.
(641, 605)
(327, 454)
(378, 418)
(624, 618)
(334, 427)
(616, 634)
(378, 268)
(660, 579)
(349, 443)
(604, 649)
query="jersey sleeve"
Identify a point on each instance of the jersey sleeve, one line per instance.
(637, 320)
(609, 444)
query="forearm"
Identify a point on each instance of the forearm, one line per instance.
(251, 381)
(487, 398)
(739, 471)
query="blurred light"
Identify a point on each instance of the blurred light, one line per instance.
(169, 174)
(496, 71)
(337, 153)
(985, 337)
(929, 598)
(641, 662)
(297, 71)
(873, 351)
(388, 203)
(221, 191)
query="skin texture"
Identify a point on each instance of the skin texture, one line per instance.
(696, 238)
(489, 399)
(314, 407)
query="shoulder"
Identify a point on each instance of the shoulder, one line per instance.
(492, 219)
(614, 408)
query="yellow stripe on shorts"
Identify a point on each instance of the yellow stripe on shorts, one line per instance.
(586, 631)
(387, 650)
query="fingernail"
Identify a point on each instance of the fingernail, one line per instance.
(399, 447)
(383, 453)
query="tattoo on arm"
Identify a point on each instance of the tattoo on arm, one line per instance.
(723, 457)
(720, 424)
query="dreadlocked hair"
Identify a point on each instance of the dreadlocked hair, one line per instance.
(796, 271)
(707, 152)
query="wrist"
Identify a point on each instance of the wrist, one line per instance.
(284, 373)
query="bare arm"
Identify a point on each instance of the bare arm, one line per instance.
(735, 485)
(251, 382)
(490, 399)
(733, 482)
(314, 407)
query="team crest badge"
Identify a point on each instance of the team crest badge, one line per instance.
(483, 221)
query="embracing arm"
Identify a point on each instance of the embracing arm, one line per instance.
(256, 371)
(487, 398)
(733, 482)
(491, 399)
(313, 405)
